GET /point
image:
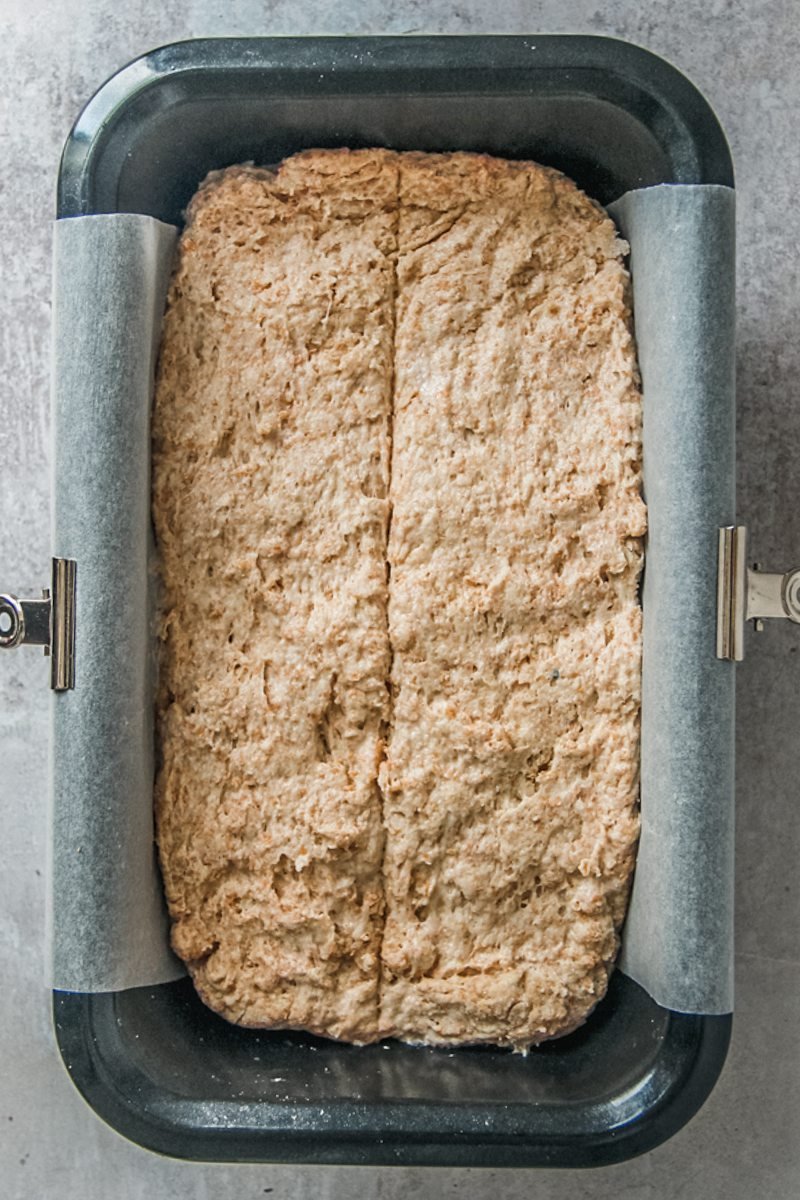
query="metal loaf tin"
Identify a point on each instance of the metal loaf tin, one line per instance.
(154, 1062)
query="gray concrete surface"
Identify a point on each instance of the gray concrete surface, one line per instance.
(745, 56)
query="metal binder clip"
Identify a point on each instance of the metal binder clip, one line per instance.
(48, 622)
(748, 594)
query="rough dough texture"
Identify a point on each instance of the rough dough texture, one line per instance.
(270, 460)
(399, 779)
(511, 777)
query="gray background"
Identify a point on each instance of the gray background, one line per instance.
(745, 56)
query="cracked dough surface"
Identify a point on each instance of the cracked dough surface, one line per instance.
(270, 461)
(397, 502)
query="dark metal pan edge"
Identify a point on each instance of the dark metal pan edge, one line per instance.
(328, 62)
(690, 1059)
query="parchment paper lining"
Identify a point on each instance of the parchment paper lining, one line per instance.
(108, 925)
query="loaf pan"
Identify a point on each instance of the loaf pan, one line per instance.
(154, 1062)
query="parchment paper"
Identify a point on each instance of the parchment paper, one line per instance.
(678, 938)
(109, 928)
(108, 921)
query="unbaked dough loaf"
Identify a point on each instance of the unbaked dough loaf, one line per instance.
(398, 783)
